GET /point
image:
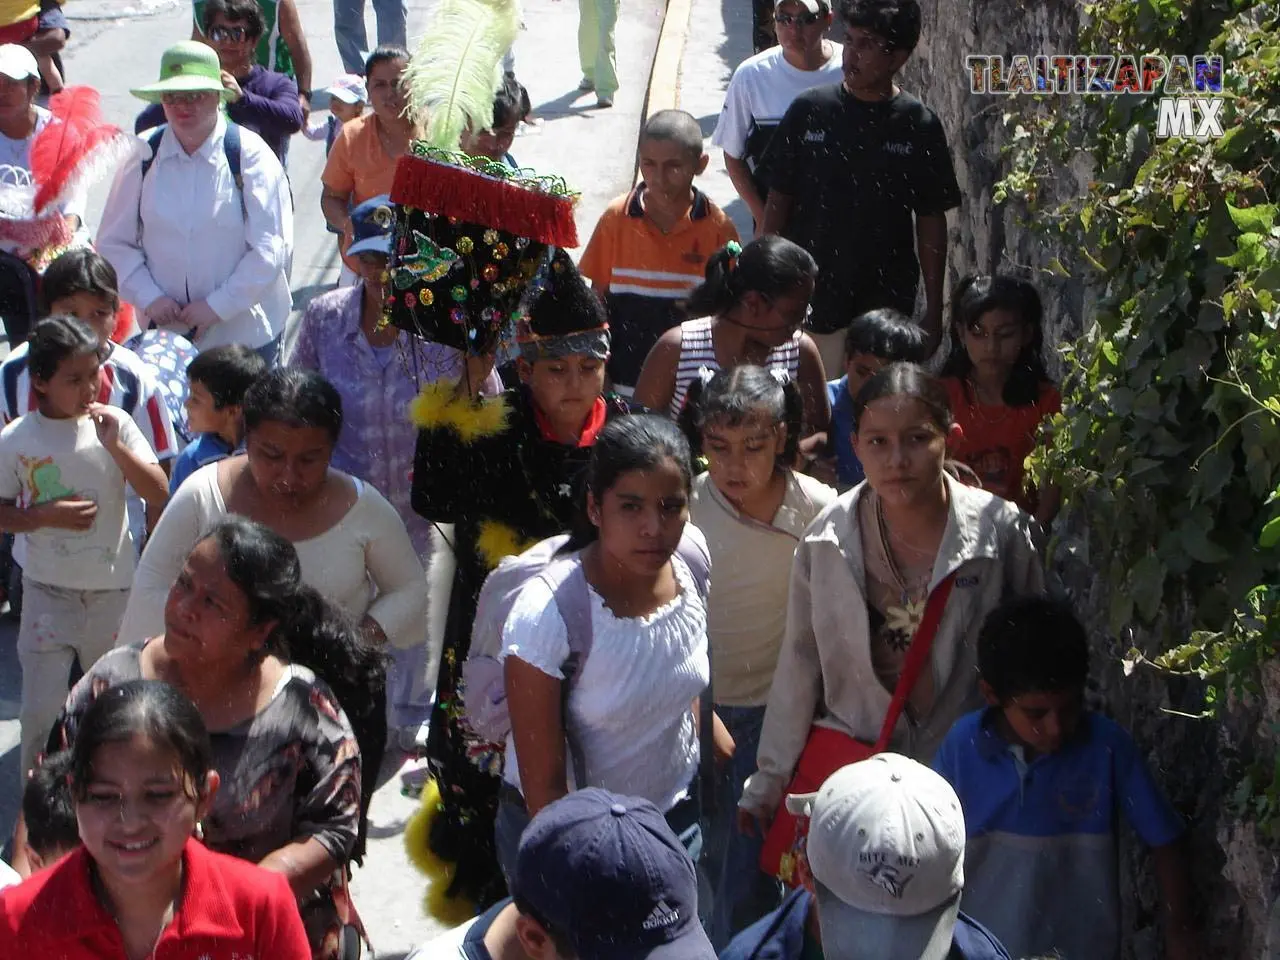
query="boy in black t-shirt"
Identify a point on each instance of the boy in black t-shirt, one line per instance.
(852, 168)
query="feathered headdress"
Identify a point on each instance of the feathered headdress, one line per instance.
(472, 237)
(453, 77)
(71, 151)
(75, 148)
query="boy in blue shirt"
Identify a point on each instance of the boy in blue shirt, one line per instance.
(1042, 781)
(219, 378)
(873, 340)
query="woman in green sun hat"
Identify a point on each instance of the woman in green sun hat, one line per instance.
(215, 267)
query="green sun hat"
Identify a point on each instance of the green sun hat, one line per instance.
(187, 67)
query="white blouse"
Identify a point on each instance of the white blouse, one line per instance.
(364, 564)
(631, 706)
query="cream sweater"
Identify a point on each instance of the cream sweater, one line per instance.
(364, 564)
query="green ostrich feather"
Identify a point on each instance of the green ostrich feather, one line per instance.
(457, 68)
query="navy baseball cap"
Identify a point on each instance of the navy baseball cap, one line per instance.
(605, 872)
(371, 225)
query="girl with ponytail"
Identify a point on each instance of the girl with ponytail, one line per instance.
(753, 509)
(750, 309)
(291, 693)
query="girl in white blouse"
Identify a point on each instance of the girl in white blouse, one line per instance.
(632, 707)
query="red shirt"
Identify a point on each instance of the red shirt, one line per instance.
(998, 439)
(231, 909)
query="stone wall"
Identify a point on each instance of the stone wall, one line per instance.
(1236, 872)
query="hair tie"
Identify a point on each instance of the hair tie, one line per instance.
(783, 378)
(733, 248)
(705, 375)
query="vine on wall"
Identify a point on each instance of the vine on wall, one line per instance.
(1169, 443)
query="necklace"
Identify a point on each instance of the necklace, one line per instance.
(906, 617)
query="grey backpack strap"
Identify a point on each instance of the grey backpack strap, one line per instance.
(573, 601)
(693, 551)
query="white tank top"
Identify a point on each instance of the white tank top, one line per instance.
(698, 352)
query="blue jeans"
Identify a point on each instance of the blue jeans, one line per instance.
(353, 42)
(743, 892)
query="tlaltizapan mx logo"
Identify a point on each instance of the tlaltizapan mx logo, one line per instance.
(1189, 87)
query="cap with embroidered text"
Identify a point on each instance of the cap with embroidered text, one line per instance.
(606, 872)
(886, 851)
(17, 63)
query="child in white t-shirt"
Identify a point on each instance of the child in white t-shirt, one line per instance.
(63, 470)
(753, 509)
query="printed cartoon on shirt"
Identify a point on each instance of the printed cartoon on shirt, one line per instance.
(42, 481)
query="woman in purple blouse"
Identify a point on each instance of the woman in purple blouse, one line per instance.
(378, 370)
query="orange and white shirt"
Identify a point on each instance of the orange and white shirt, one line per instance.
(646, 274)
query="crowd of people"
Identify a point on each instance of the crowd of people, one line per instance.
(702, 616)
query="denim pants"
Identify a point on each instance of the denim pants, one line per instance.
(353, 42)
(743, 892)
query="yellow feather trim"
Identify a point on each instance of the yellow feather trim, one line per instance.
(436, 406)
(439, 873)
(497, 540)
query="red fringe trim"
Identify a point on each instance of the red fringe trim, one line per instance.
(447, 191)
(37, 233)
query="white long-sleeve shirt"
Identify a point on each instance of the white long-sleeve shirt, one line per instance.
(184, 234)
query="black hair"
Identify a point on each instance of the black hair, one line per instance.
(246, 12)
(300, 398)
(976, 296)
(735, 395)
(152, 708)
(639, 441)
(310, 632)
(384, 53)
(48, 807)
(896, 21)
(1033, 645)
(905, 380)
(56, 339)
(227, 372)
(771, 266)
(677, 126)
(888, 334)
(510, 102)
(559, 939)
(79, 271)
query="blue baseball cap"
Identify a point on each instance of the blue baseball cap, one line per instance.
(371, 224)
(605, 872)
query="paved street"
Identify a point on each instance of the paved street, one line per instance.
(117, 44)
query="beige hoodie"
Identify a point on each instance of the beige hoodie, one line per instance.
(824, 672)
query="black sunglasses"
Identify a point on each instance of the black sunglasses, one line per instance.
(228, 34)
(789, 19)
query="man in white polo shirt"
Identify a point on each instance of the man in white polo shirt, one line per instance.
(763, 87)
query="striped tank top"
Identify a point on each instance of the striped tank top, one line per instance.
(698, 352)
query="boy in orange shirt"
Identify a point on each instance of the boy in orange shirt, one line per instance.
(651, 245)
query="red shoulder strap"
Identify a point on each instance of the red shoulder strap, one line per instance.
(917, 656)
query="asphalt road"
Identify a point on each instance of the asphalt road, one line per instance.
(116, 45)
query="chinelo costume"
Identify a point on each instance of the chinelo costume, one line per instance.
(478, 264)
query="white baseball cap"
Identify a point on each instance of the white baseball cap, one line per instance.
(886, 850)
(813, 6)
(349, 88)
(17, 63)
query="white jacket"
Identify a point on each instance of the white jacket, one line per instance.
(824, 672)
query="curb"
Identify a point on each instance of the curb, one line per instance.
(664, 77)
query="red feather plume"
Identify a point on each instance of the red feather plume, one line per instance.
(74, 145)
